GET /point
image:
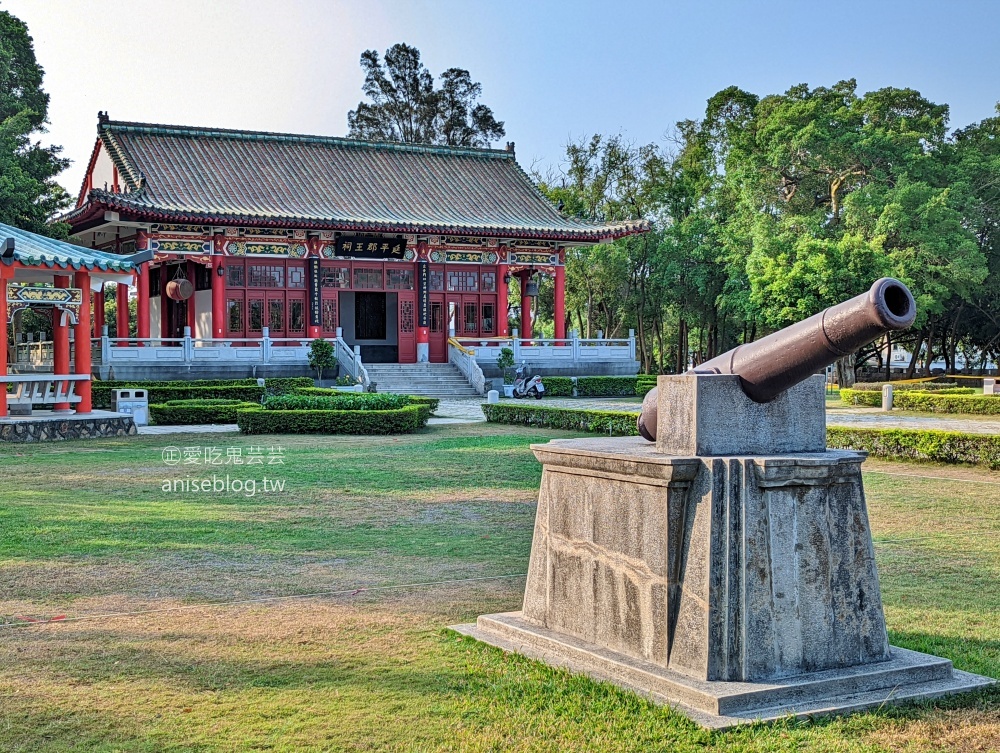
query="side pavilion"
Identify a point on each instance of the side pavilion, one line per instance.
(41, 272)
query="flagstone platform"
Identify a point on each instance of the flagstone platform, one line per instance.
(48, 426)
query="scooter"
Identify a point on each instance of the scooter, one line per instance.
(524, 387)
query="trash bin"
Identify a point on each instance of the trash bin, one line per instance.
(134, 403)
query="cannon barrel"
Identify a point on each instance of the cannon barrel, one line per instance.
(773, 364)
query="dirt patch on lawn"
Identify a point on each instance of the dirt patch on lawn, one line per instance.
(958, 730)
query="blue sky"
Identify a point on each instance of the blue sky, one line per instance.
(553, 71)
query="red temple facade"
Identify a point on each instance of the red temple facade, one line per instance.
(396, 247)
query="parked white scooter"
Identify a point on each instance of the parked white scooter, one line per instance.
(524, 387)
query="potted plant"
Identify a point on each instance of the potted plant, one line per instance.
(505, 362)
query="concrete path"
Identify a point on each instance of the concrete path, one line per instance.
(467, 410)
(188, 429)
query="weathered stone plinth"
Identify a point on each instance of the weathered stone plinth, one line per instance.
(734, 586)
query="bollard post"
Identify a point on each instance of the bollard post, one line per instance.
(887, 397)
(989, 386)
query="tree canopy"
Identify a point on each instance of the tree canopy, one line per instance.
(29, 195)
(769, 209)
(405, 106)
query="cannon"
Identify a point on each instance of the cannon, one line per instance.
(781, 360)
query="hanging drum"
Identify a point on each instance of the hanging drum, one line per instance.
(180, 289)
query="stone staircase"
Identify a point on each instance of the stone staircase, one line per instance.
(429, 379)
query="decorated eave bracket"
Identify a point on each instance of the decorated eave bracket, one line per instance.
(67, 300)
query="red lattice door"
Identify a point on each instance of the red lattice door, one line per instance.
(407, 328)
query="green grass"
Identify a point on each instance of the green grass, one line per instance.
(86, 531)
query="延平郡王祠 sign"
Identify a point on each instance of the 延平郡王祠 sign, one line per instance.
(370, 247)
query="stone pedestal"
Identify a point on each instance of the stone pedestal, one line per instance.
(734, 586)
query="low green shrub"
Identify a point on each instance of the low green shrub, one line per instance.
(103, 396)
(862, 397)
(525, 414)
(432, 402)
(338, 401)
(919, 444)
(557, 386)
(403, 420)
(159, 392)
(644, 383)
(903, 386)
(213, 411)
(606, 386)
(982, 405)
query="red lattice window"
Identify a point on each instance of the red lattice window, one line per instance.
(234, 307)
(296, 276)
(399, 279)
(436, 281)
(470, 318)
(329, 315)
(367, 278)
(406, 317)
(265, 276)
(489, 282)
(296, 317)
(335, 277)
(463, 280)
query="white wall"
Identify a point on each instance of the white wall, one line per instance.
(104, 170)
(154, 316)
(202, 314)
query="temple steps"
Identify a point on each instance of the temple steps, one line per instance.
(428, 379)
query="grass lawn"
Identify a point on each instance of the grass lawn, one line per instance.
(179, 648)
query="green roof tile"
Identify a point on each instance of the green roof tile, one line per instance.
(205, 175)
(34, 250)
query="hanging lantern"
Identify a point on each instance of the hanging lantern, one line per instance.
(180, 289)
(531, 289)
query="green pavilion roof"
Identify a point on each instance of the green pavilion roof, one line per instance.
(216, 176)
(34, 250)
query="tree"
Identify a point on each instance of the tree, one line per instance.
(406, 107)
(29, 195)
(321, 356)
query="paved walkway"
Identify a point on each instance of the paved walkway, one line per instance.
(188, 429)
(467, 410)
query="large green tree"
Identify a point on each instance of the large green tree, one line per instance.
(405, 106)
(29, 195)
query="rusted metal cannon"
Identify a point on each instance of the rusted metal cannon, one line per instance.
(781, 360)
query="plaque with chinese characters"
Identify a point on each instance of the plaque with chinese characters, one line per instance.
(371, 247)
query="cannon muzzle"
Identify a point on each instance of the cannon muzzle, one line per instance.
(781, 360)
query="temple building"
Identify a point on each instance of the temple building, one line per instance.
(394, 247)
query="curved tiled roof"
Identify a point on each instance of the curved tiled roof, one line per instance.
(34, 250)
(216, 175)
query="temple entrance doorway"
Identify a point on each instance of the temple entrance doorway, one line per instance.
(370, 320)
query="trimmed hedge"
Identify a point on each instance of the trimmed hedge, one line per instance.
(159, 392)
(398, 421)
(558, 386)
(178, 412)
(903, 386)
(605, 386)
(601, 422)
(954, 400)
(431, 402)
(889, 444)
(339, 401)
(644, 383)
(919, 444)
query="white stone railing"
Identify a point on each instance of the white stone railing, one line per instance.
(465, 359)
(350, 359)
(46, 389)
(190, 350)
(573, 350)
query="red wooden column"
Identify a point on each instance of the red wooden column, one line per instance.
(82, 336)
(219, 298)
(121, 312)
(98, 313)
(142, 301)
(60, 342)
(423, 311)
(192, 313)
(4, 343)
(164, 324)
(525, 308)
(560, 303)
(502, 285)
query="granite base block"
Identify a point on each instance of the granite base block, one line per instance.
(56, 427)
(905, 676)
